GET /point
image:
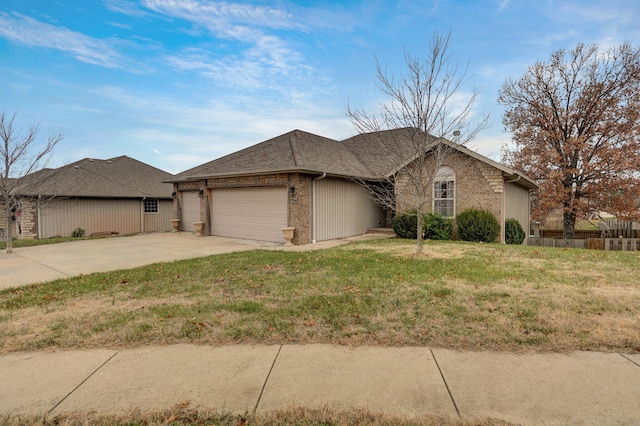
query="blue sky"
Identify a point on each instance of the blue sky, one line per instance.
(175, 83)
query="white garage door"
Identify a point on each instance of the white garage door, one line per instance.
(249, 213)
(190, 210)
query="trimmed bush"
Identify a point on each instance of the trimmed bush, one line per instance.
(437, 227)
(513, 232)
(477, 225)
(405, 224)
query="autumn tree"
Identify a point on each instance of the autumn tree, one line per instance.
(427, 107)
(22, 155)
(575, 126)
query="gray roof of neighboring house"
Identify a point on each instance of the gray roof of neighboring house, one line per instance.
(363, 156)
(118, 177)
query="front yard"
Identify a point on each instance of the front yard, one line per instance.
(457, 295)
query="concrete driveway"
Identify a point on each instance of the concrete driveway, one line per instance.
(29, 265)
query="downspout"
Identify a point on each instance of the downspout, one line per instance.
(39, 225)
(142, 215)
(517, 178)
(314, 212)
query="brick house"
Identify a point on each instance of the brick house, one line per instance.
(305, 181)
(118, 195)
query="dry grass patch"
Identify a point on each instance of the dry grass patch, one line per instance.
(292, 416)
(457, 295)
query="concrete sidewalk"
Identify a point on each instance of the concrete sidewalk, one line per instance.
(579, 388)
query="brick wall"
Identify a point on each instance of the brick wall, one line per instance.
(478, 185)
(28, 220)
(300, 208)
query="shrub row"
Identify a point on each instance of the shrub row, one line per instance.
(472, 225)
(434, 226)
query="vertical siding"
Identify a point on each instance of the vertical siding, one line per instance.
(61, 217)
(161, 221)
(342, 209)
(516, 200)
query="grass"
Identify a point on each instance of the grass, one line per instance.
(30, 242)
(293, 416)
(457, 295)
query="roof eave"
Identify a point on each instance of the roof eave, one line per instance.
(257, 173)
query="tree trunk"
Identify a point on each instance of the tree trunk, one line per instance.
(419, 237)
(569, 225)
(9, 234)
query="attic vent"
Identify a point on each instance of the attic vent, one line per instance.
(91, 160)
(109, 162)
(76, 167)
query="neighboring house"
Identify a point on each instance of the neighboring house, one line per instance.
(303, 180)
(119, 195)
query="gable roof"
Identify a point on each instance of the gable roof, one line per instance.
(293, 151)
(362, 156)
(371, 149)
(118, 177)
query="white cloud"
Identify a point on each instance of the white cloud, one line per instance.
(255, 58)
(222, 17)
(28, 31)
(126, 7)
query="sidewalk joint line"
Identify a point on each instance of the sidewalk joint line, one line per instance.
(264, 385)
(445, 383)
(82, 382)
(629, 359)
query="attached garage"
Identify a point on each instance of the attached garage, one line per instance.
(255, 213)
(190, 210)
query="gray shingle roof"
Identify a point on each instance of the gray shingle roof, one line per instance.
(118, 177)
(293, 151)
(363, 156)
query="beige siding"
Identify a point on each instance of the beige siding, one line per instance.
(61, 217)
(161, 221)
(342, 208)
(516, 200)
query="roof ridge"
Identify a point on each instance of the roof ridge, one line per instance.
(295, 149)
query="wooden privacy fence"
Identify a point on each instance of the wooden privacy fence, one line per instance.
(610, 244)
(585, 235)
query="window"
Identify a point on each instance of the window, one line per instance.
(444, 192)
(151, 206)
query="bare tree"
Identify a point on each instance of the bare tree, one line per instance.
(22, 157)
(575, 121)
(429, 111)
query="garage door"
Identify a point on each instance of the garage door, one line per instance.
(190, 210)
(249, 213)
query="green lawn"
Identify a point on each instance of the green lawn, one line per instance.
(457, 295)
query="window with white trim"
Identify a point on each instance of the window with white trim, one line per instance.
(150, 206)
(444, 201)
